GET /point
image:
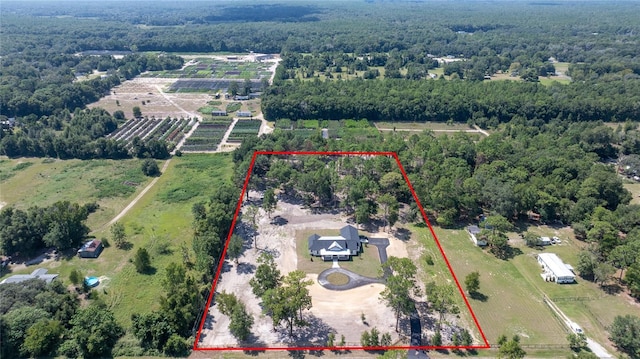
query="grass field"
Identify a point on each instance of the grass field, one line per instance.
(513, 289)
(547, 81)
(634, 188)
(159, 222)
(112, 184)
(367, 263)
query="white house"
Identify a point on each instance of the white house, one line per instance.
(474, 233)
(554, 269)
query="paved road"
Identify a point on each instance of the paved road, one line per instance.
(381, 244)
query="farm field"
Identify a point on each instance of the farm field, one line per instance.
(244, 129)
(148, 129)
(159, 222)
(207, 136)
(336, 129)
(112, 184)
(421, 126)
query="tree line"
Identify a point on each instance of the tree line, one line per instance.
(484, 103)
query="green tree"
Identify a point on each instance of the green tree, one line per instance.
(269, 202)
(632, 279)
(152, 329)
(17, 322)
(603, 272)
(511, 349)
(142, 261)
(95, 330)
(442, 299)
(252, 212)
(137, 113)
(472, 282)
(577, 342)
(400, 286)
(267, 275)
(177, 346)
(587, 263)
(235, 248)
(624, 333)
(331, 339)
(42, 338)
(365, 338)
(286, 302)
(150, 168)
(390, 207)
(118, 235)
(241, 322)
(75, 277)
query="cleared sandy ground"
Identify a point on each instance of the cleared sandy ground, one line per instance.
(332, 311)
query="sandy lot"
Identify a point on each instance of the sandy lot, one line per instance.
(158, 103)
(332, 311)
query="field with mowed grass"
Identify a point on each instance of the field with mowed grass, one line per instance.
(161, 223)
(511, 291)
(28, 182)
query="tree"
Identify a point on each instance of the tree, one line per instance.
(226, 302)
(150, 168)
(137, 113)
(511, 349)
(331, 339)
(152, 329)
(95, 330)
(252, 212)
(118, 235)
(286, 302)
(472, 282)
(401, 284)
(235, 247)
(233, 88)
(603, 272)
(241, 322)
(42, 338)
(587, 263)
(17, 322)
(75, 277)
(267, 275)
(269, 202)
(142, 261)
(624, 333)
(577, 341)
(441, 299)
(390, 206)
(177, 346)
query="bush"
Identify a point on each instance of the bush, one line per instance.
(142, 261)
(177, 346)
(150, 168)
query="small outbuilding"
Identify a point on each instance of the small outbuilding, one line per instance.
(91, 249)
(474, 235)
(244, 114)
(545, 241)
(218, 113)
(554, 269)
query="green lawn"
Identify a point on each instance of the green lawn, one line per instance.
(159, 222)
(367, 263)
(112, 184)
(512, 305)
(547, 81)
(514, 289)
(424, 125)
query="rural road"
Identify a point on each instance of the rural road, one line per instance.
(595, 348)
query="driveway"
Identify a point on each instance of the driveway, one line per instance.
(355, 279)
(381, 244)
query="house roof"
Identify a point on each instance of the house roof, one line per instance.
(348, 240)
(555, 265)
(90, 246)
(473, 229)
(39, 273)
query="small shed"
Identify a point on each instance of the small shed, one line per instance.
(91, 249)
(545, 241)
(474, 235)
(218, 113)
(244, 114)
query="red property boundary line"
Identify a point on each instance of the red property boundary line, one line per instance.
(424, 216)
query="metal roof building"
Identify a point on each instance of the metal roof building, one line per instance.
(554, 269)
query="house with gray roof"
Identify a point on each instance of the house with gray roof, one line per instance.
(340, 247)
(40, 273)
